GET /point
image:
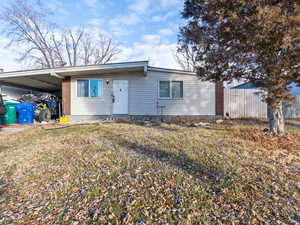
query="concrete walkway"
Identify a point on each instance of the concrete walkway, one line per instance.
(12, 129)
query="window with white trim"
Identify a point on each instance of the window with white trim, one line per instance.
(92, 88)
(171, 89)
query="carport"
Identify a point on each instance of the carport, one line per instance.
(39, 80)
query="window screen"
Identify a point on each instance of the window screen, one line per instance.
(95, 88)
(177, 89)
(89, 88)
(83, 88)
(171, 89)
(164, 89)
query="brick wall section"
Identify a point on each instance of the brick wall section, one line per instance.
(66, 96)
(219, 98)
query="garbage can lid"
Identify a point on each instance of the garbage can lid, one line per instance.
(10, 103)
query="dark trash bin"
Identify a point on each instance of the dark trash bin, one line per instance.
(10, 116)
(26, 113)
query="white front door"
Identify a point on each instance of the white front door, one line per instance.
(120, 91)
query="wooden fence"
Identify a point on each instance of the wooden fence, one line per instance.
(291, 109)
(244, 103)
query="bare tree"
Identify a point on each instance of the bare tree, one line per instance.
(27, 27)
(97, 50)
(45, 45)
(72, 44)
(186, 57)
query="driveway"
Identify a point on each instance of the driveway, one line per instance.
(9, 129)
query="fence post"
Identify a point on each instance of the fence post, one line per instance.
(219, 98)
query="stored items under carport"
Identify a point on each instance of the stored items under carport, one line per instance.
(26, 113)
(46, 105)
(10, 117)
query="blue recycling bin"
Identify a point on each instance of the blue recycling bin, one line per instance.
(25, 113)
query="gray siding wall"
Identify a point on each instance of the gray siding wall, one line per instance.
(199, 97)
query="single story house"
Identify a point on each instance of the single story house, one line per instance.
(123, 89)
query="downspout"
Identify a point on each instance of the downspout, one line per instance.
(145, 70)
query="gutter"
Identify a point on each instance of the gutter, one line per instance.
(157, 69)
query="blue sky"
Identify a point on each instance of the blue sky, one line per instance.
(144, 29)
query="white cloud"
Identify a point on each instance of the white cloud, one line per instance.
(140, 6)
(158, 18)
(162, 18)
(7, 57)
(57, 7)
(160, 55)
(171, 3)
(118, 26)
(151, 38)
(153, 49)
(94, 31)
(90, 3)
(130, 19)
(166, 32)
(117, 31)
(96, 22)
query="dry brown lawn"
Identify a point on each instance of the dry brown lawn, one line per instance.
(120, 173)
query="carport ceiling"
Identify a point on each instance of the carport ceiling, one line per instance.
(49, 80)
(43, 82)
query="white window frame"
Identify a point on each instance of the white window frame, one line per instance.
(170, 85)
(89, 79)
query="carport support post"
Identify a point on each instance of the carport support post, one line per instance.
(66, 96)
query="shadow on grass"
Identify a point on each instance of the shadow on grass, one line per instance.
(178, 159)
(3, 148)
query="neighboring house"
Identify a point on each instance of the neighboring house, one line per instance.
(124, 89)
(295, 89)
(247, 85)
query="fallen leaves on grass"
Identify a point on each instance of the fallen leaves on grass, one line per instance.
(129, 174)
(289, 141)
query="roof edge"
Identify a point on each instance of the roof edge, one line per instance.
(109, 66)
(76, 68)
(166, 70)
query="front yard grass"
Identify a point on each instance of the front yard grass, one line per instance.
(119, 173)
